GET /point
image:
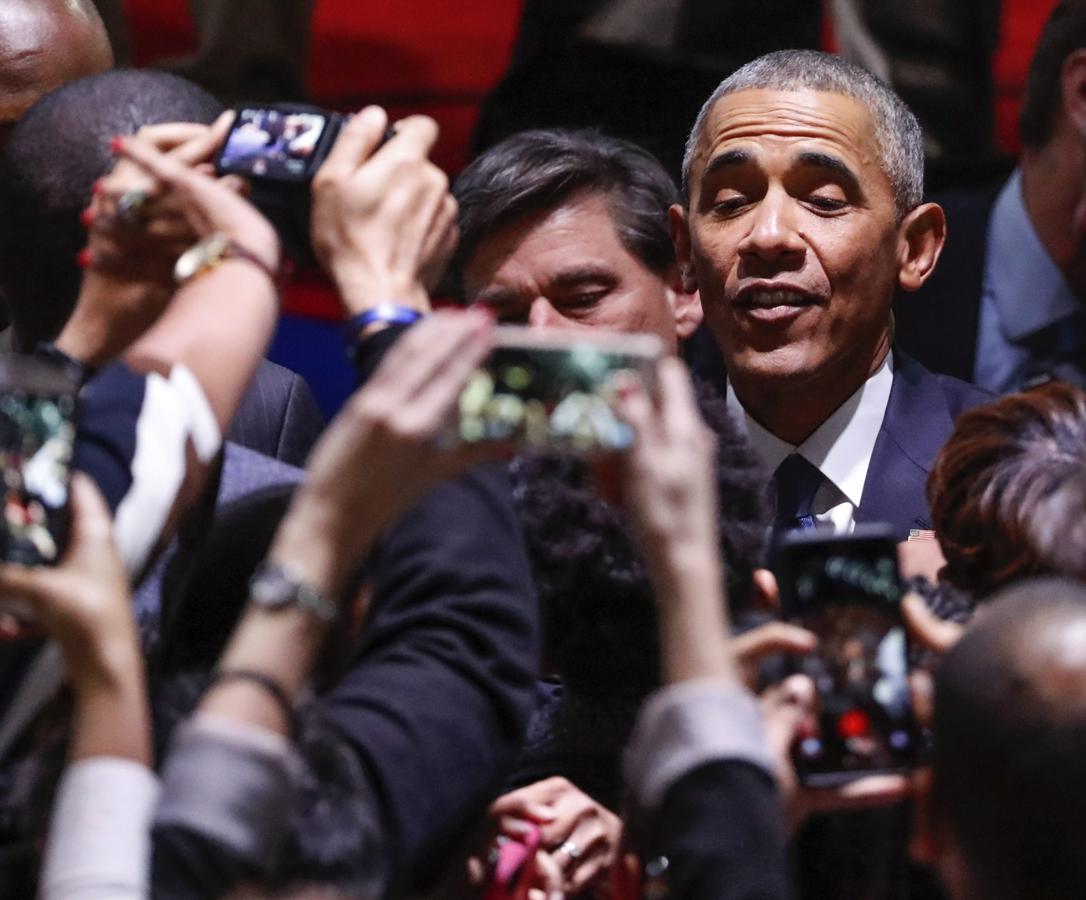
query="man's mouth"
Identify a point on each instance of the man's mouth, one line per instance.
(774, 305)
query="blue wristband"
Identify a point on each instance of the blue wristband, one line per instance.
(390, 313)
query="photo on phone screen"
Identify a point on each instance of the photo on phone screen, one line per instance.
(555, 389)
(847, 590)
(37, 434)
(272, 143)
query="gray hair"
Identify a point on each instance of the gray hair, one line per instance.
(897, 132)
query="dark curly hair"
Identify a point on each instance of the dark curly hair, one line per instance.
(599, 622)
(1006, 491)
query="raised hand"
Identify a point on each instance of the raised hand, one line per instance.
(384, 223)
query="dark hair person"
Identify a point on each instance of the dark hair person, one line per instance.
(1007, 488)
(538, 170)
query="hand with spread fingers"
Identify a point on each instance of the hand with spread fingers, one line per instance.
(581, 836)
(384, 222)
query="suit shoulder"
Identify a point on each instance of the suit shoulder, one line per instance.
(961, 395)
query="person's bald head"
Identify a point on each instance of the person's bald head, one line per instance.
(1009, 759)
(45, 44)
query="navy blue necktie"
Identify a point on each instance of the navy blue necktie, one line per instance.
(797, 481)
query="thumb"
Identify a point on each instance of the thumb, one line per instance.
(773, 637)
(926, 628)
(92, 520)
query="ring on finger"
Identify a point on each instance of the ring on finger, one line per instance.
(131, 207)
(571, 850)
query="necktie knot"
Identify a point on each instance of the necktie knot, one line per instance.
(797, 481)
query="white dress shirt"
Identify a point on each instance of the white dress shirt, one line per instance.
(840, 448)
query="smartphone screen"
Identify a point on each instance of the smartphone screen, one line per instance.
(37, 434)
(847, 590)
(272, 143)
(555, 388)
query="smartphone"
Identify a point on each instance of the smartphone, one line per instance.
(280, 142)
(37, 434)
(556, 388)
(847, 590)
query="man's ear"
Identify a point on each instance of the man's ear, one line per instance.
(685, 305)
(921, 236)
(679, 223)
(767, 594)
(1073, 90)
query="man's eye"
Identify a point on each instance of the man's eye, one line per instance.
(582, 299)
(729, 205)
(826, 204)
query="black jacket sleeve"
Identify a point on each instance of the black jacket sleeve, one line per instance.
(717, 835)
(437, 703)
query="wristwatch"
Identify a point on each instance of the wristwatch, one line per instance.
(212, 251)
(277, 587)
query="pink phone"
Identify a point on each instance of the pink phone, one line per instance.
(513, 856)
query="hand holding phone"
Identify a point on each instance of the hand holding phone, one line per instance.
(846, 589)
(279, 148)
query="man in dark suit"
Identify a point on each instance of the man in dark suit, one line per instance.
(1005, 307)
(803, 212)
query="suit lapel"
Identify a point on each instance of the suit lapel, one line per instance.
(916, 424)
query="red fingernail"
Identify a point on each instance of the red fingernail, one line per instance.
(97, 189)
(85, 258)
(87, 217)
(117, 144)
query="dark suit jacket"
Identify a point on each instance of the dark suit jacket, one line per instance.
(278, 415)
(920, 416)
(940, 322)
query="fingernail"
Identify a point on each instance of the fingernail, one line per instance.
(85, 258)
(517, 827)
(117, 144)
(87, 217)
(97, 189)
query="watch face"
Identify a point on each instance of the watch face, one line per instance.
(208, 252)
(271, 588)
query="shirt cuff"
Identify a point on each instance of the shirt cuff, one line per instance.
(230, 783)
(99, 838)
(687, 725)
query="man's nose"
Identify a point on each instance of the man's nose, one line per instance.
(542, 314)
(773, 233)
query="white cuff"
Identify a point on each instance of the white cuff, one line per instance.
(99, 845)
(175, 412)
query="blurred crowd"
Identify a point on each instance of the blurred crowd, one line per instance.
(279, 657)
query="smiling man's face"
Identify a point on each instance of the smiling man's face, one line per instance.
(792, 237)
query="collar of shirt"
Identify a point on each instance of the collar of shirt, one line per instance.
(1017, 266)
(840, 447)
